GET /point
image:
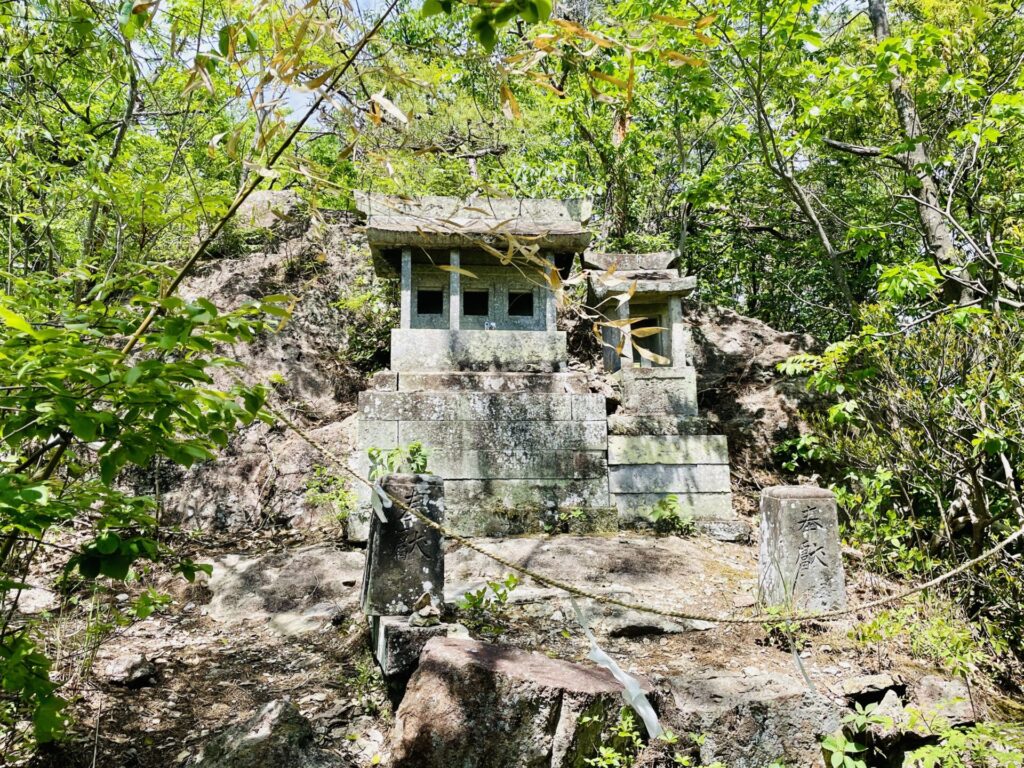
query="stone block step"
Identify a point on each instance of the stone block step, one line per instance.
(533, 436)
(669, 478)
(668, 449)
(480, 406)
(556, 383)
(635, 508)
(427, 350)
(656, 424)
(660, 391)
(518, 464)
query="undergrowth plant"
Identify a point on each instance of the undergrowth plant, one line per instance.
(409, 458)
(484, 610)
(327, 488)
(668, 517)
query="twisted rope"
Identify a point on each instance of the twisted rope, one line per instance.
(549, 581)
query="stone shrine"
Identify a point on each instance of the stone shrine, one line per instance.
(479, 373)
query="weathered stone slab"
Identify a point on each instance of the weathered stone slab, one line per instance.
(496, 381)
(800, 563)
(514, 406)
(504, 507)
(754, 719)
(435, 435)
(404, 556)
(535, 435)
(668, 449)
(589, 407)
(474, 705)
(408, 406)
(376, 434)
(669, 478)
(626, 262)
(656, 424)
(430, 350)
(660, 391)
(397, 644)
(517, 464)
(635, 508)
(384, 381)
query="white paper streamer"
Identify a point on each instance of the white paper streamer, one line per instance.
(380, 501)
(632, 693)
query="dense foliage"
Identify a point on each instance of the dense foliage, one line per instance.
(848, 169)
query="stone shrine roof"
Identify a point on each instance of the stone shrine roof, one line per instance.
(394, 222)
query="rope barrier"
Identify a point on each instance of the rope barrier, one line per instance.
(548, 581)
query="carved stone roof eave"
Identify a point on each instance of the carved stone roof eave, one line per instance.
(646, 289)
(434, 222)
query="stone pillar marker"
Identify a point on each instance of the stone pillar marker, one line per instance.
(454, 292)
(406, 277)
(404, 556)
(800, 565)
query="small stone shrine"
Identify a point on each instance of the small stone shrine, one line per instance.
(479, 374)
(800, 563)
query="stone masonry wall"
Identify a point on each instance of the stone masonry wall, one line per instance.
(514, 449)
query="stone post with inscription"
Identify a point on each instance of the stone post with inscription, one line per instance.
(403, 579)
(800, 565)
(405, 556)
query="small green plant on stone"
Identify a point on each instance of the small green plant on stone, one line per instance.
(483, 610)
(410, 458)
(619, 745)
(841, 752)
(668, 517)
(326, 488)
(782, 633)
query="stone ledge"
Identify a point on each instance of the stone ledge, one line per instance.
(430, 351)
(636, 507)
(669, 478)
(638, 425)
(555, 383)
(668, 449)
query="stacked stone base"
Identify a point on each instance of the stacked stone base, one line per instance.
(658, 448)
(518, 451)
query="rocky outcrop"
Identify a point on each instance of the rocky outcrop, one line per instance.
(742, 393)
(278, 736)
(751, 719)
(471, 705)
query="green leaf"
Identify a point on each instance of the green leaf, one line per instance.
(17, 322)
(107, 543)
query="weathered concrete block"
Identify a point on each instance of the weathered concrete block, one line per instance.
(514, 406)
(376, 434)
(800, 563)
(635, 508)
(505, 507)
(535, 435)
(660, 391)
(497, 381)
(404, 556)
(656, 424)
(408, 406)
(384, 381)
(510, 463)
(669, 478)
(397, 644)
(430, 350)
(435, 435)
(589, 407)
(668, 449)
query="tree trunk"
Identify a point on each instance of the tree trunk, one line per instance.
(938, 236)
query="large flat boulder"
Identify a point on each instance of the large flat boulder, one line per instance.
(473, 705)
(291, 592)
